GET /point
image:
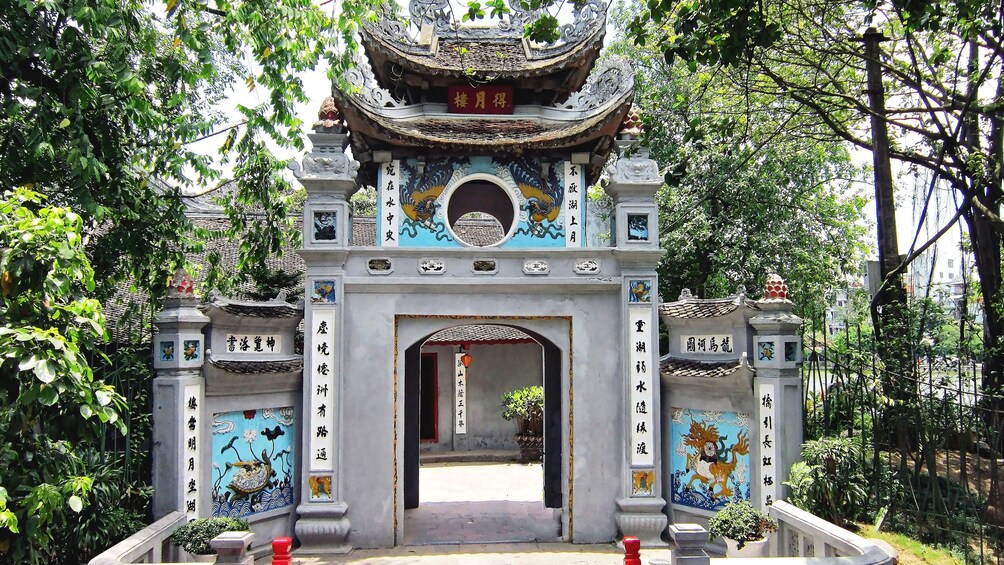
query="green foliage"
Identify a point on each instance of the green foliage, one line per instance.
(752, 187)
(268, 283)
(742, 522)
(49, 400)
(116, 509)
(194, 537)
(828, 481)
(526, 406)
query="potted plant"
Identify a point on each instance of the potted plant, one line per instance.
(744, 528)
(194, 536)
(526, 406)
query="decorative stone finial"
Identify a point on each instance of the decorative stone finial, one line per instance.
(182, 285)
(685, 295)
(632, 126)
(329, 118)
(775, 289)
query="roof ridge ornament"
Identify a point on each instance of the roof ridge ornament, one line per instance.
(364, 84)
(601, 86)
(428, 15)
(775, 289)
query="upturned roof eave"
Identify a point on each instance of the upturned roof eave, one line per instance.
(567, 128)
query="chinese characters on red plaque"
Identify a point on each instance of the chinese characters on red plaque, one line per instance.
(464, 99)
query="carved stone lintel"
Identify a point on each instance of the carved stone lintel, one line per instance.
(644, 519)
(326, 162)
(323, 528)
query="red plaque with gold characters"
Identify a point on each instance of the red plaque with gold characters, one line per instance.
(464, 99)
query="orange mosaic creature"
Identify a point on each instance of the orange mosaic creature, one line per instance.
(712, 462)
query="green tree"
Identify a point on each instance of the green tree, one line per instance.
(100, 102)
(743, 196)
(942, 67)
(49, 400)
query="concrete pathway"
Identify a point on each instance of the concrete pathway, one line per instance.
(480, 503)
(482, 514)
(490, 554)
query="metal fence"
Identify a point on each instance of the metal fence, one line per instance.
(942, 485)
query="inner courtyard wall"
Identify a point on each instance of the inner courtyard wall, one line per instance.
(495, 369)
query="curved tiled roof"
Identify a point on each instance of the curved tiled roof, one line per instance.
(478, 333)
(262, 310)
(258, 367)
(673, 367)
(587, 121)
(700, 308)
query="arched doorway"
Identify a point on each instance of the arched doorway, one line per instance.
(428, 374)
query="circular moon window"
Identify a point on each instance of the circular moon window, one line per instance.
(480, 213)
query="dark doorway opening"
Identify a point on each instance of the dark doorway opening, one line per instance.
(416, 365)
(429, 391)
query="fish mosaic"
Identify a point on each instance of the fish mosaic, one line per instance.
(253, 461)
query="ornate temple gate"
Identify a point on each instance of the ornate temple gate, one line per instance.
(515, 143)
(517, 153)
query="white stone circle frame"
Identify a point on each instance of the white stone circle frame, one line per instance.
(504, 181)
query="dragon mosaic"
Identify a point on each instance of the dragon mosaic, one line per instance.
(543, 198)
(709, 470)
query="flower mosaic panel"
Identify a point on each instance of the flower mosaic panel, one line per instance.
(765, 351)
(640, 291)
(166, 351)
(642, 482)
(253, 461)
(191, 349)
(709, 458)
(324, 292)
(790, 351)
(320, 488)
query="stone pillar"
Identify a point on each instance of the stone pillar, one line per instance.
(328, 175)
(689, 540)
(777, 389)
(231, 548)
(633, 186)
(178, 395)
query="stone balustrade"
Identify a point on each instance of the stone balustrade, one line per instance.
(802, 539)
(148, 545)
(802, 534)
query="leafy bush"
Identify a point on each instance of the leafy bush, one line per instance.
(828, 482)
(741, 522)
(194, 537)
(116, 508)
(526, 406)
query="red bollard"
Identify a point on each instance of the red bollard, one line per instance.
(282, 551)
(631, 547)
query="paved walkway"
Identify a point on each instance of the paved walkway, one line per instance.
(489, 554)
(480, 503)
(472, 513)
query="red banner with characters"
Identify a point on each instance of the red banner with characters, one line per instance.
(464, 99)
